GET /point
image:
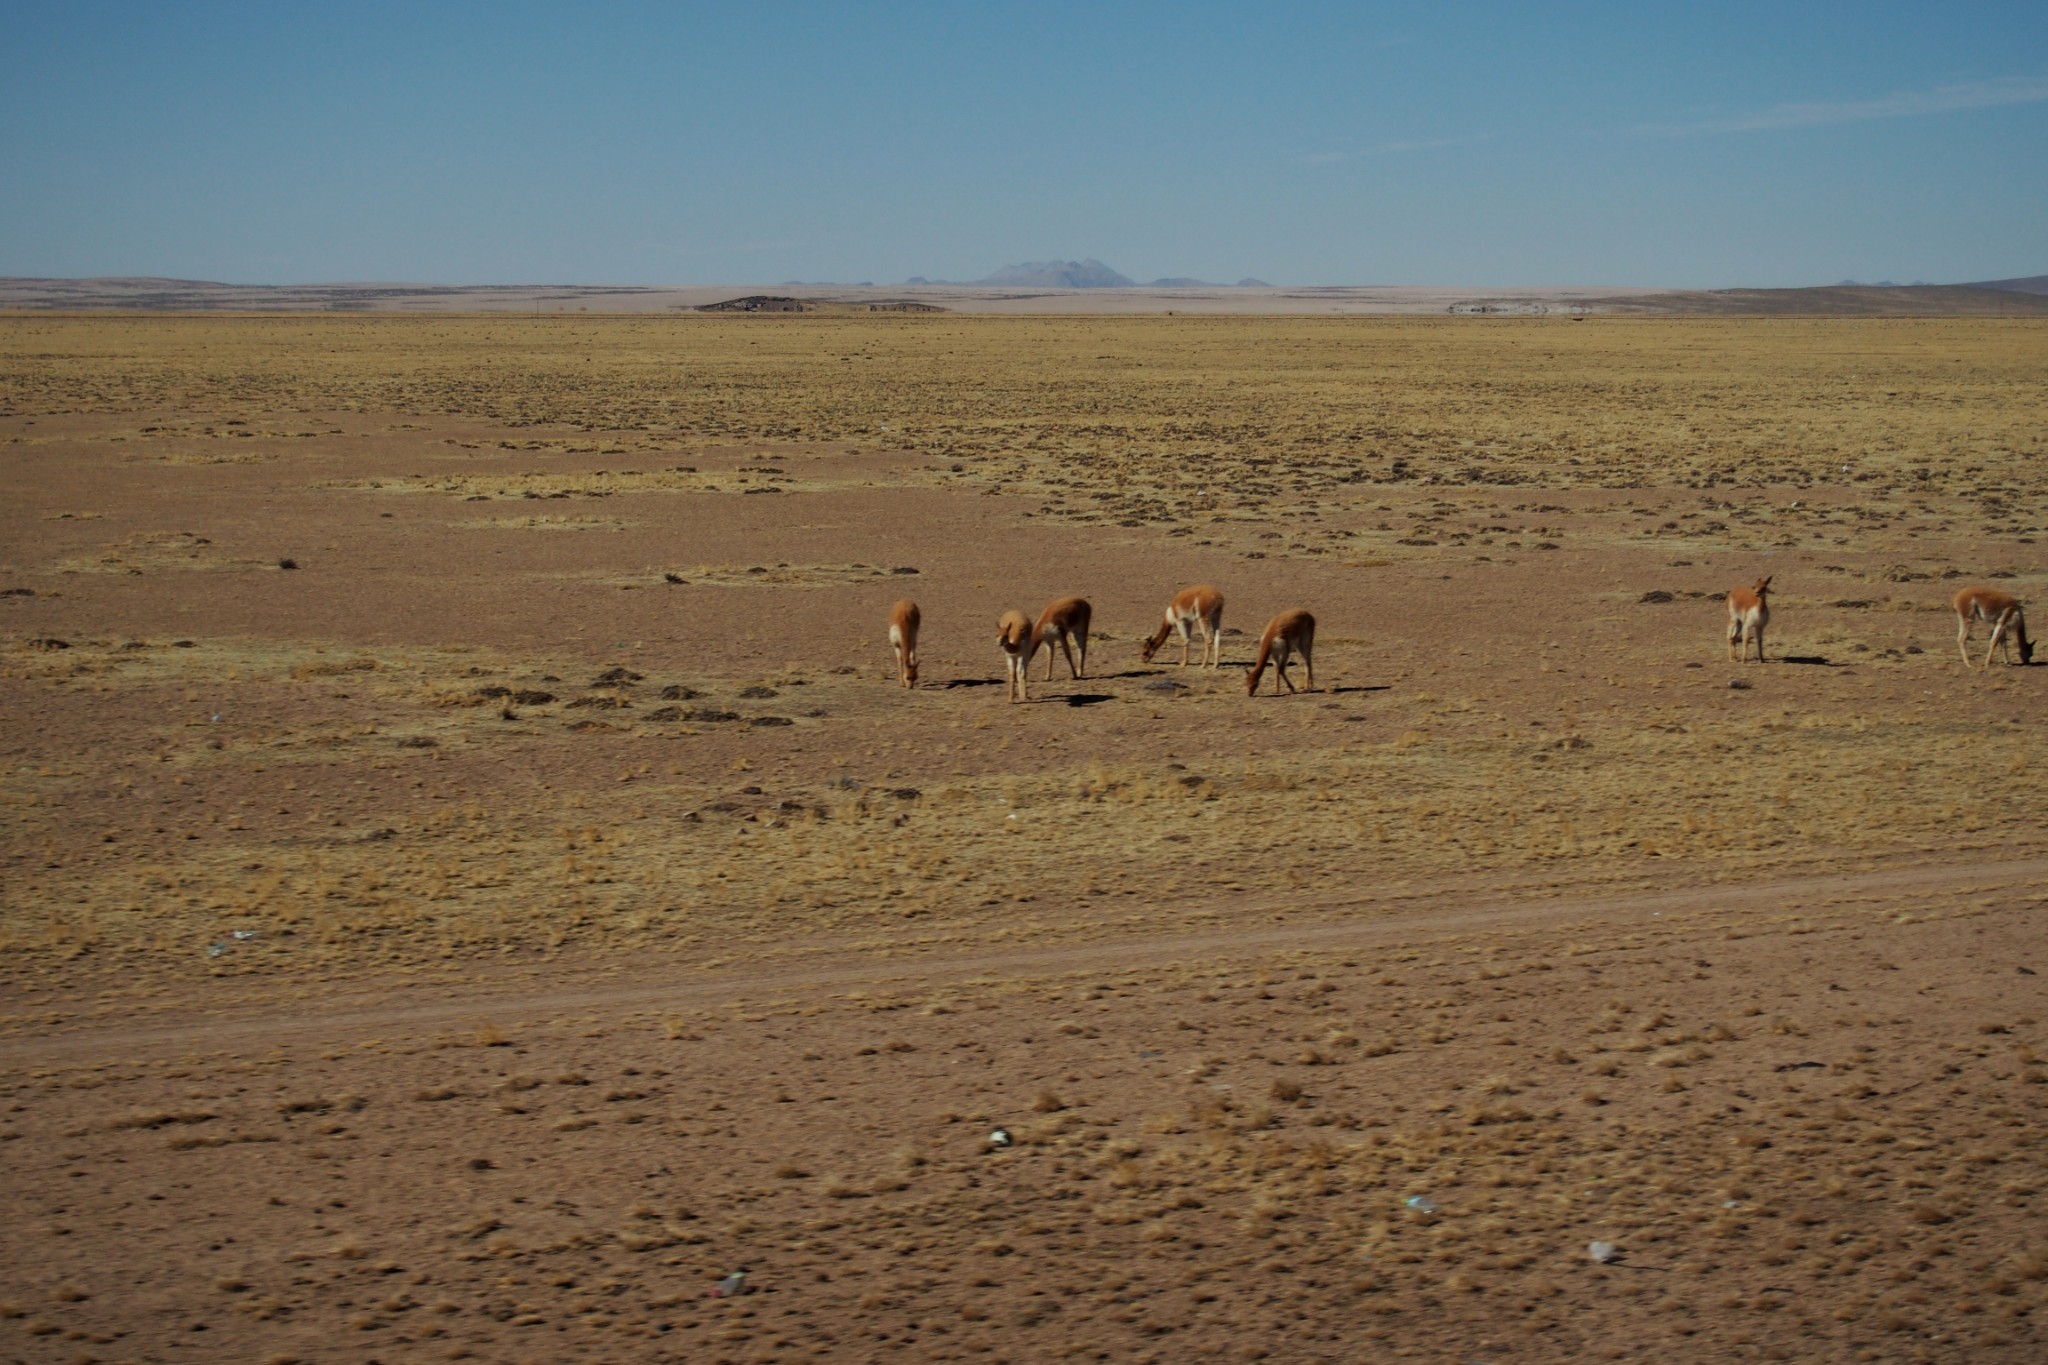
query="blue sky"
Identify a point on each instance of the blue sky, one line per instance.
(1647, 143)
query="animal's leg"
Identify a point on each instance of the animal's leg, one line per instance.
(1081, 638)
(1963, 639)
(1308, 662)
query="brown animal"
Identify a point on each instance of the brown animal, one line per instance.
(903, 622)
(1014, 634)
(1198, 607)
(1288, 633)
(1066, 621)
(1748, 614)
(2001, 611)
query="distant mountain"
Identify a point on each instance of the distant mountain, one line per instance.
(2026, 284)
(1088, 274)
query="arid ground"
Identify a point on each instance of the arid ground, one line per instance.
(471, 882)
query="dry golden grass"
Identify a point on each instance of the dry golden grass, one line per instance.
(1899, 451)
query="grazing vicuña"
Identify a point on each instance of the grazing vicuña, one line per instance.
(2001, 611)
(1288, 633)
(903, 622)
(1067, 621)
(1199, 607)
(1014, 634)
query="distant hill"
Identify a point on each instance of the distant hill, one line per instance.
(1088, 274)
(2028, 284)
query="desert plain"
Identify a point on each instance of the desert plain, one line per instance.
(469, 880)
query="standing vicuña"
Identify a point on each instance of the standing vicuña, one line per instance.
(1015, 635)
(1748, 614)
(1200, 606)
(903, 622)
(2001, 611)
(1067, 621)
(1288, 633)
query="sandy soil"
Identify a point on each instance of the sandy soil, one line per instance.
(536, 903)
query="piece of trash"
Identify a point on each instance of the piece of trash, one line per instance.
(1420, 1204)
(731, 1286)
(216, 718)
(1731, 1203)
(1603, 1253)
(1000, 1138)
(216, 949)
(243, 934)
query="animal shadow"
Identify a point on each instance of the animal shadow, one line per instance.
(1087, 698)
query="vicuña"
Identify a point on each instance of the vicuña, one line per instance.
(1014, 634)
(1199, 607)
(1748, 614)
(1066, 621)
(2001, 611)
(1291, 632)
(903, 622)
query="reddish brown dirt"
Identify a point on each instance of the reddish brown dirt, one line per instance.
(548, 1015)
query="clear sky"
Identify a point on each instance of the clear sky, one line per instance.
(1658, 142)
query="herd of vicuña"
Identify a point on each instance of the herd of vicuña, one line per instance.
(1199, 609)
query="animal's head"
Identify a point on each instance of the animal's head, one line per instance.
(1763, 585)
(1147, 650)
(910, 672)
(1013, 632)
(1251, 679)
(2026, 651)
